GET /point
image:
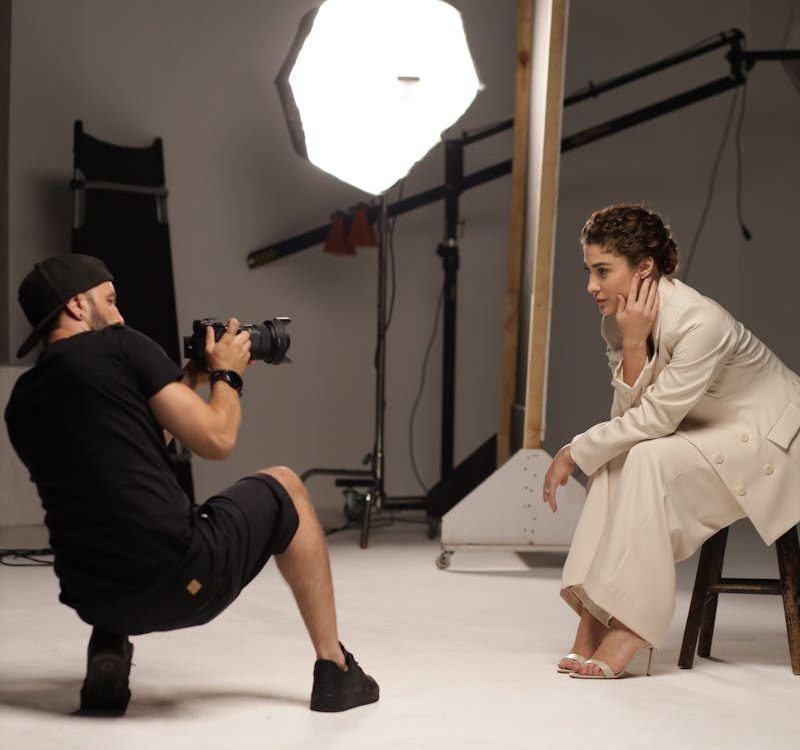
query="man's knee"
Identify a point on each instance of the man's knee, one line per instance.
(289, 481)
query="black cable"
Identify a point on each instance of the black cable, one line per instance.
(381, 524)
(694, 46)
(390, 245)
(337, 529)
(713, 179)
(31, 555)
(745, 231)
(420, 390)
(794, 6)
(389, 240)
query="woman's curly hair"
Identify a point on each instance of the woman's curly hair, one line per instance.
(634, 232)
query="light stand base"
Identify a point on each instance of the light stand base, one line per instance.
(359, 506)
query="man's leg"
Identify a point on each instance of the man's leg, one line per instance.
(306, 568)
(339, 682)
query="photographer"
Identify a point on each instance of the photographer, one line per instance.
(132, 554)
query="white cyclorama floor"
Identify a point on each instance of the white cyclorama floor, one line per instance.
(465, 659)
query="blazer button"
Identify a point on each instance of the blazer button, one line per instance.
(741, 490)
(768, 469)
(744, 437)
(719, 458)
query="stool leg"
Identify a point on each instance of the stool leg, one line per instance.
(718, 543)
(788, 552)
(709, 570)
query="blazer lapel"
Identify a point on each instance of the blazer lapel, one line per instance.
(666, 288)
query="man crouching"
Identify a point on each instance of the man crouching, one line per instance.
(132, 554)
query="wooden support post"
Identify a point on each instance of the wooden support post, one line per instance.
(541, 45)
(516, 235)
(545, 148)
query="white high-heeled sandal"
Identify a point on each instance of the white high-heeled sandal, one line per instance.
(610, 674)
(575, 657)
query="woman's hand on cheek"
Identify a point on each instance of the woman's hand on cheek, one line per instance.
(637, 314)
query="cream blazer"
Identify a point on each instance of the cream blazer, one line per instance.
(715, 384)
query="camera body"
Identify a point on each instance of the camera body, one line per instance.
(269, 341)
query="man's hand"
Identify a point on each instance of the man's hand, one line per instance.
(637, 314)
(231, 352)
(557, 475)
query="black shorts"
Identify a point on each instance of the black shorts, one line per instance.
(235, 533)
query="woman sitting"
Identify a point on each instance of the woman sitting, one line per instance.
(702, 433)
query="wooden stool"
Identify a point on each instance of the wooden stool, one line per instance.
(709, 583)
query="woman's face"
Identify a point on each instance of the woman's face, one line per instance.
(610, 275)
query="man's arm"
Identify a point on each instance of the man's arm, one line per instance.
(193, 376)
(208, 429)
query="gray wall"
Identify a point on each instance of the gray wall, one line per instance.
(199, 74)
(5, 73)
(668, 163)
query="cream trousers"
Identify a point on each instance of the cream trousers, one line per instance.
(645, 511)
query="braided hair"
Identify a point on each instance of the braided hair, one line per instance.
(635, 232)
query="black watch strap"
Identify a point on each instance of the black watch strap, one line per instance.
(231, 377)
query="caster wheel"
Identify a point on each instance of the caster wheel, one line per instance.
(443, 561)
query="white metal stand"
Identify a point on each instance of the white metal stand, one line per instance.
(506, 512)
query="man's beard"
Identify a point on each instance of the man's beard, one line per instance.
(94, 320)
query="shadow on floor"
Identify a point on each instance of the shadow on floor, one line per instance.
(539, 573)
(61, 696)
(537, 565)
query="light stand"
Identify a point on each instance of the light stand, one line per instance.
(421, 78)
(376, 494)
(373, 479)
(449, 253)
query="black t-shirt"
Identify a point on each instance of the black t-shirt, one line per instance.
(80, 422)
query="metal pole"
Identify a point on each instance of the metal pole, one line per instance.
(376, 493)
(448, 251)
(380, 396)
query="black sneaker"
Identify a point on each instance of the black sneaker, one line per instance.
(336, 690)
(105, 690)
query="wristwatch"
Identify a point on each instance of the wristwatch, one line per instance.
(231, 377)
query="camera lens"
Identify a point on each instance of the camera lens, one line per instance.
(270, 340)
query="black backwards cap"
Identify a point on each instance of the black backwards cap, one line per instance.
(46, 289)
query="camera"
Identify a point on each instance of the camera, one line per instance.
(269, 341)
